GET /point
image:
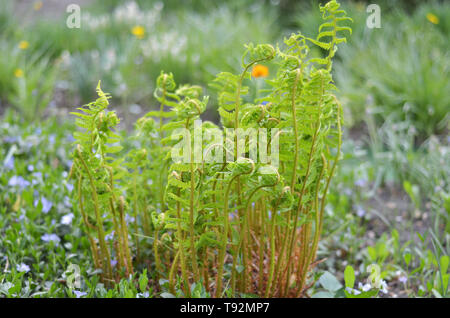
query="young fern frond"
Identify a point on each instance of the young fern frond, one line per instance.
(95, 170)
(331, 30)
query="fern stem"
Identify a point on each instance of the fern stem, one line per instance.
(135, 206)
(308, 169)
(172, 272)
(101, 234)
(191, 211)
(88, 225)
(222, 251)
(119, 247)
(126, 244)
(294, 123)
(180, 249)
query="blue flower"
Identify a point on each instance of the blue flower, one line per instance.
(37, 177)
(69, 187)
(51, 139)
(10, 140)
(113, 263)
(22, 268)
(79, 294)
(69, 164)
(30, 168)
(360, 211)
(67, 202)
(143, 295)
(18, 181)
(67, 219)
(110, 236)
(51, 238)
(9, 165)
(129, 219)
(46, 204)
(360, 182)
(70, 138)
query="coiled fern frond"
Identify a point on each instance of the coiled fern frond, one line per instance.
(330, 30)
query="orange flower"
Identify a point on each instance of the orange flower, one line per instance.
(432, 18)
(260, 71)
(138, 31)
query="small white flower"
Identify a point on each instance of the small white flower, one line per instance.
(383, 287)
(352, 291)
(365, 287)
(143, 295)
(67, 219)
(22, 268)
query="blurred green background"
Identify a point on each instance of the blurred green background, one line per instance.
(398, 72)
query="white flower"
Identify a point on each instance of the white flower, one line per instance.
(22, 268)
(383, 287)
(365, 287)
(143, 295)
(67, 219)
(352, 291)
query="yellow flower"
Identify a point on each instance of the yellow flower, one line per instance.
(432, 18)
(38, 5)
(18, 73)
(138, 31)
(23, 45)
(260, 71)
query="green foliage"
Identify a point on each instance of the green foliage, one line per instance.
(194, 45)
(242, 227)
(408, 82)
(192, 213)
(95, 171)
(349, 276)
(397, 72)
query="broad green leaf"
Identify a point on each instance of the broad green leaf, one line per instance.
(329, 282)
(349, 276)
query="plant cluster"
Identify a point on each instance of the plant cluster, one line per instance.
(249, 224)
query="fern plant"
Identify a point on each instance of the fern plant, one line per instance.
(237, 224)
(100, 199)
(284, 222)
